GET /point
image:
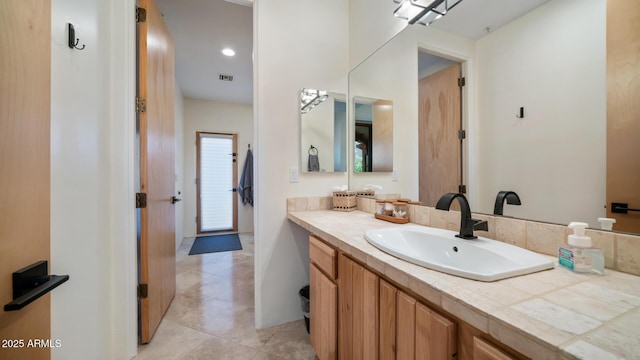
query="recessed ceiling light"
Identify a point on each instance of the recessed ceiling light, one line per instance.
(228, 52)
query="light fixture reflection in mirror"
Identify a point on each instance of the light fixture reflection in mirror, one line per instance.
(323, 131)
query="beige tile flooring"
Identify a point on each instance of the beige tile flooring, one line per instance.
(212, 314)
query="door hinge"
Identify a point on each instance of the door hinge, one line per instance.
(143, 291)
(462, 189)
(141, 200)
(462, 81)
(141, 105)
(196, 219)
(141, 15)
(462, 134)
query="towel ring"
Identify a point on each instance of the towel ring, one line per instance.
(313, 150)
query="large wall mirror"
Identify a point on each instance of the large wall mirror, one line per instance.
(323, 131)
(552, 63)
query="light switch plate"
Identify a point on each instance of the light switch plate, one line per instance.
(293, 175)
(394, 175)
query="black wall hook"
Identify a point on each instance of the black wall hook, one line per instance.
(521, 116)
(73, 41)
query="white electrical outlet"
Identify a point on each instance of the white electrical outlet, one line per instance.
(293, 175)
(394, 175)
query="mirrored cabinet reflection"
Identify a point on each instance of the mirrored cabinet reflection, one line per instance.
(323, 131)
(373, 135)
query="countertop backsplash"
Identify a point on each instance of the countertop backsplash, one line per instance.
(621, 251)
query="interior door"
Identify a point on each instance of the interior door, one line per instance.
(439, 120)
(623, 112)
(25, 82)
(157, 266)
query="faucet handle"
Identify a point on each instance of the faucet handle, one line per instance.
(480, 224)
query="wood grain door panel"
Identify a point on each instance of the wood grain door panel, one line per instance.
(157, 173)
(25, 83)
(438, 125)
(623, 111)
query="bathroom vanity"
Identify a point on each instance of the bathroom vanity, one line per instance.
(367, 304)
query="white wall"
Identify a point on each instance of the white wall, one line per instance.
(371, 24)
(92, 217)
(551, 62)
(179, 162)
(281, 69)
(214, 116)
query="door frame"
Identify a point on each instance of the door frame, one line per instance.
(234, 138)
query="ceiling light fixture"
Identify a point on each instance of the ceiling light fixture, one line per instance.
(423, 12)
(228, 52)
(309, 98)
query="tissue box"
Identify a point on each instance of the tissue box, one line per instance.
(344, 200)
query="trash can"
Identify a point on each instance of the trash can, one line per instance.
(304, 303)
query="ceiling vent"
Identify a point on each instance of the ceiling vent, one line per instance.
(225, 77)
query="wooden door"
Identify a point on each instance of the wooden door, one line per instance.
(358, 311)
(323, 300)
(436, 336)
(157, 265)
(388, 323)
(439, 120)
(623, 111)
(25, 82)
(382, 136)
(406, 331)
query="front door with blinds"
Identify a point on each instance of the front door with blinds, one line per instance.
(217, 172)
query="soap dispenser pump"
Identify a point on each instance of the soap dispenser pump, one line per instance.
(579, 255)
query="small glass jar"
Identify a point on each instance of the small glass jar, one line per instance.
(380, 207)
(400, 210)
(388, 207)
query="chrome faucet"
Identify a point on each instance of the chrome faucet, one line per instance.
(467, 224)
(511, 197)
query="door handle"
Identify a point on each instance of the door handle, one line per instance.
(175, 199)
(621, 208)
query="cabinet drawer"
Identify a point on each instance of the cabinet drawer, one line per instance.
(324, 256)
(483, 350)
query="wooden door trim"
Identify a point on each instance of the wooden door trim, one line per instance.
(234, 137)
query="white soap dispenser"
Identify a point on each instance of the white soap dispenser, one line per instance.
(579, 255)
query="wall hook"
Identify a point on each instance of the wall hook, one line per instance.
(521, 116)
(73, 41)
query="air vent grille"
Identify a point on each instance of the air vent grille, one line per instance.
(225, 77)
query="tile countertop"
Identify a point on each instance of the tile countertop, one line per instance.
(553, 314)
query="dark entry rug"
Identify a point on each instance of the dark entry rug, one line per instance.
(217, 243)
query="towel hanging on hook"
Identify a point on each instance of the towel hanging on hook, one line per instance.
(313, 163)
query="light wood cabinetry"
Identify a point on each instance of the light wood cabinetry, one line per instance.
(323, 299)
(483, 350)
(359, 311)
(388, 322)
(358, 315)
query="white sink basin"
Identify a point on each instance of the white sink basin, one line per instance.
(479, 259)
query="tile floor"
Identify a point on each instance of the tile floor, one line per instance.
(212, 314)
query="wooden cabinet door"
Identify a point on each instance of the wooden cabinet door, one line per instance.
(436, 336)
(359, 314)
(406, 331)
(323, 299)
(482, 350)
(388, 323)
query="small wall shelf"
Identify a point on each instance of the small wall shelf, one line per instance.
(30, 283)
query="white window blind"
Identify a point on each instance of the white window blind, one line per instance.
(216, 182)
